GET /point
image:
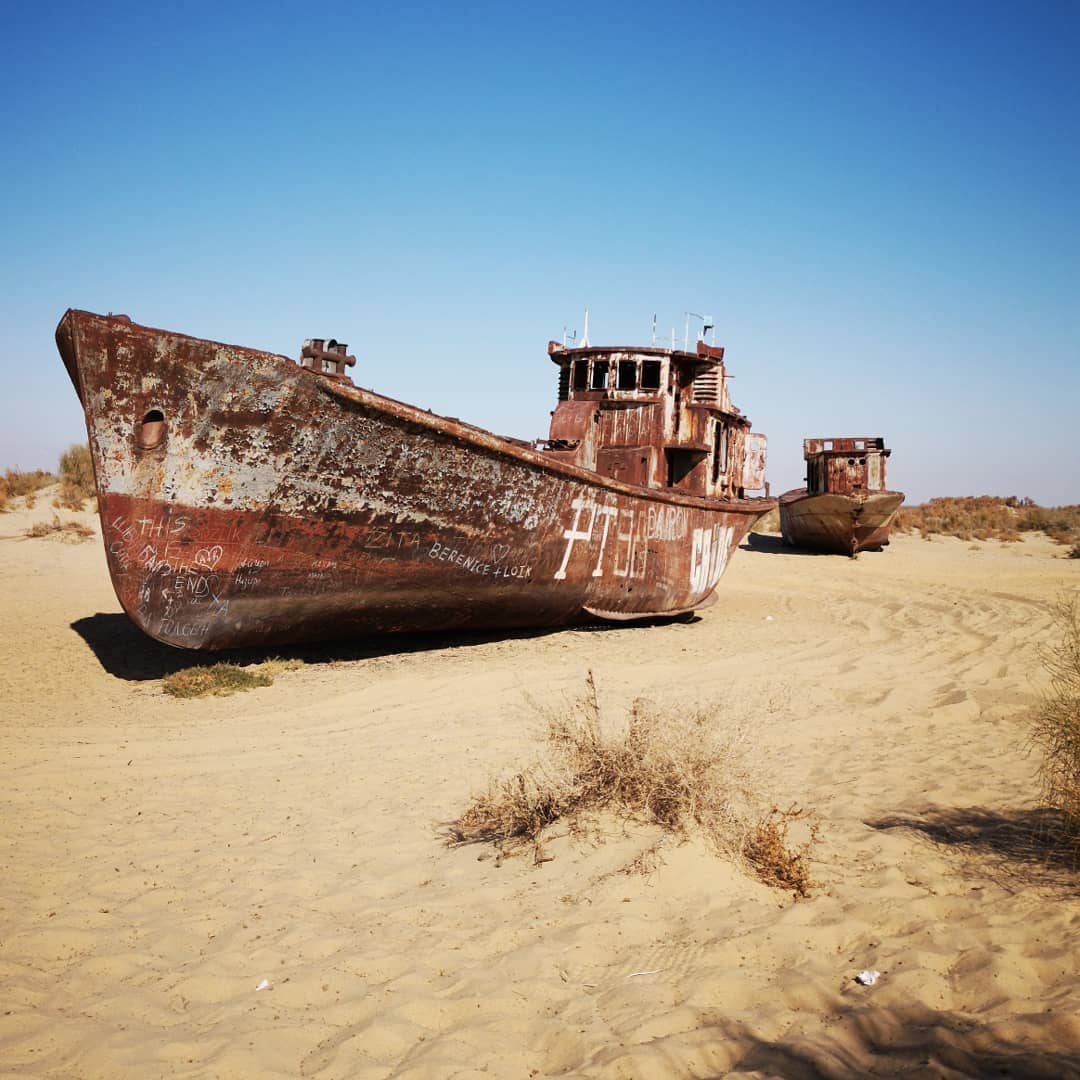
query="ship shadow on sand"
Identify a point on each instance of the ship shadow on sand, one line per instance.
(1015, 846)
(864, 1040)
(125, 652)
(772, 544)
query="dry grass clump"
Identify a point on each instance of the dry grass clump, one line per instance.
(774, 859)
(277, 666)
(69, 497)
(684, 772)
(1056, 720)
(219, 680)
(14, 483)
(72, 532)
(990, 517)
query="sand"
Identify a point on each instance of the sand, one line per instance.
(162, 859)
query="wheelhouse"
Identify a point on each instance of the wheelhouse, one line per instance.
(849, 466)
(659, 418)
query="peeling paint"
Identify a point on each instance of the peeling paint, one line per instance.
(281, 503)
(846, 506)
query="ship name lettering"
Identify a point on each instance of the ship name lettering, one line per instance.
(579, 534)
(667, 523)
(709, 550)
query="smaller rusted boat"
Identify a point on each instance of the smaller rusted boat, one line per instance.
(845, 507)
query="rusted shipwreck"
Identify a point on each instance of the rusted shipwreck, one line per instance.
(845, 507)
(247, 499)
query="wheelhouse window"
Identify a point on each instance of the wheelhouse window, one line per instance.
(650, 375)
(599, 375)
(627, 375)
(581, 374)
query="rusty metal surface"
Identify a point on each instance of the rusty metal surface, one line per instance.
(245, 500)
(660, 418)
(838, 524)
(849, 466)
(845, 507)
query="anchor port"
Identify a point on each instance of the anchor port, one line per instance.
(150, 431)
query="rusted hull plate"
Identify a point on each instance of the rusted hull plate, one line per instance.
(839, 524)
(277, 506)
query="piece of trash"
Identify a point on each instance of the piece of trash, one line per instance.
(867, 978)
(264, 985)
(769, 618)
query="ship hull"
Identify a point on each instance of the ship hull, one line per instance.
(836, 523)
(245, 501)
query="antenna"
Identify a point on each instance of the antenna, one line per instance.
(654, 328)
(585, 335)
(706, 326)
(571, 334)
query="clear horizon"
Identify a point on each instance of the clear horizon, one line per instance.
(877, 205)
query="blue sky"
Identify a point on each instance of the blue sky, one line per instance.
(878, 203)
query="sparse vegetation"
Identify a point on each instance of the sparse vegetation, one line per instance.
(1056, 720)
(14, 483)
(774, 859)
(69, 497)
(684, 772)
(76, 477)
(990, 517)
(73, 532)
(221, 679)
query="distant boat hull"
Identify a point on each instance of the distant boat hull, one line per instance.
(246, 501)
(837, 523)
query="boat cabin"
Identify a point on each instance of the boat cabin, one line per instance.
(845, 466)
(654, 417)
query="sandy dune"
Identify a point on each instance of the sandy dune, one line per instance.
(161, 859)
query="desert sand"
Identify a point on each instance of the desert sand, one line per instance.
(163, 859)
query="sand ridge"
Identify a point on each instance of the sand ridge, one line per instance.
(162, 859)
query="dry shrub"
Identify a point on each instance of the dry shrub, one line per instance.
(77, 470)
(515, 810)
(989, 517)
(72, 532)
(1056, 719)
(277, 666)
(684, 772)
(14, 483)
(69, 497)
(775, 861)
